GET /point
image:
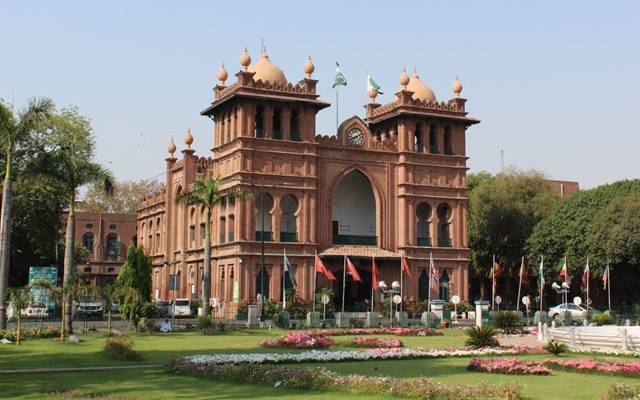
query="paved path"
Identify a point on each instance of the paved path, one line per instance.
(527, 340)
(76, 369)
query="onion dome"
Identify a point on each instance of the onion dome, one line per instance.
(420, 90)
(457, 87)
(188, 138)
(309, 67)
(222, 74)
(266, 71)
(171, 147)
(404, 79)
(245, 59)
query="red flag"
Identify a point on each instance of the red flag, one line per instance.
(585, 276)
(497, 270)
(563, 271)
(405, 268)
(376, 274)
(321, 268)
(351, 269)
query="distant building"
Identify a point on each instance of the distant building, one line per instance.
(106, 236)
(564, 188)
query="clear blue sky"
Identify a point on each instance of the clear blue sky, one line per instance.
(555, 83)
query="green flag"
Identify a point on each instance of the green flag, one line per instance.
(340, 79)
(372, 85)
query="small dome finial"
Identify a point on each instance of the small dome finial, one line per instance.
(404, 79)
(309, 67)
(188, 138)
(245, 59)
(222, 74)
(171, 147)
(372, 93)
(457, 87)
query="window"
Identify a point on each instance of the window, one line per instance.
(113, 246)
(277, 124)
(232, 223)
(264, 205)
(87, 241)
(448, 142)
(295, 125)
(192, 235)
(202, 231)
(288, 229)
(417, 139)
(89, 226)
(258, 122)
(222, 229)
(112, 226)
(444, 225)
(423, 226)
(174, 282)
(433, 139)
(262, 282)
(87, 269)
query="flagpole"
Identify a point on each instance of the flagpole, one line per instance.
(429, 285)
(344, 279)
(337, 107)
(373, 261)
(588, 276)
(401, 280)
(284, 273)
(493, 288)
(541, 282)
(519, 285)
(609, 284)
(315, 277)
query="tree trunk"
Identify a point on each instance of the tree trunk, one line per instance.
(5, 241)
(68, 264)
(18, 328)
(62, 321)
(206, 287)
(109, 320)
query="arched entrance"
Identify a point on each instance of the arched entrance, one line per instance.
(423, 286)
(262, 283)
(444, 286)
(353, 211)
(357, 295)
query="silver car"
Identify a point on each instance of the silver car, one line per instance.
(577, 311)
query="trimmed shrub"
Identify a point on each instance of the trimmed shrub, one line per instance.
(481, 337)
(204, 322)
(555, 348)
(121, 348)
(146, 325)
(150, 310)
(31, 333)
(508, 321)
(602, 319)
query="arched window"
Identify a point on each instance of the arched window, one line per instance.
(264, 205)
(444, 286)
(353, 210)
(87, 241)
(150, 236)
(423, 285)
(223, 229)
(288, 229)
(417, 139)
(223, 129)
(231, 236)
(448, 141)
(192, 227)
(444, 225)
(158, 246)
(423, 225)
(258, 122)
(277, 124)
(113, 246)
(142, 234)
(262, 283)
(295, 125)
(433, 139)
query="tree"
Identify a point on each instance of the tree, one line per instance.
(12, 132)
(125, 198)
(206, 193)
(20, 299)
(134, 283)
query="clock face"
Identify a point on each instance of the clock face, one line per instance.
(355, 136)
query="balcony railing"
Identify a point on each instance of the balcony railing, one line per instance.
(264, 235)
(444, 242)
(433, 149)
(424, 241)
(288, 237)
(259, 133)
(357, 240)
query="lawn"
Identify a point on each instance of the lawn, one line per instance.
(156, 383)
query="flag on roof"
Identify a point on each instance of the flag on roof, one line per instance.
(340, 79)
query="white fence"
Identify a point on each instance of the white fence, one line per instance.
(624, 338)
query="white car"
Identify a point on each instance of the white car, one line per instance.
(577, 311)
(180, 308)
(36, 310)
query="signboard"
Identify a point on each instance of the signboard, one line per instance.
(49, 274)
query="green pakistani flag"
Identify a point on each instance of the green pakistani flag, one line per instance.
(541, 274)
(372, 85)
(340, 79)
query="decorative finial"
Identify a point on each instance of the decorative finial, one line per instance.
(372, 93)
(188, 138)
(245, 59)
(457, 87)
(222, 74)
(404, 79)
(309, 67)
(171, 147)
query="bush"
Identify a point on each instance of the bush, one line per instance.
(150, 310)
(508, 321)
(146, 325)
(194, 305)
(621, 391)
(481, 337)
(121, 348)
(204, 322)
(555, 348)
(602, 319)
(31, 333)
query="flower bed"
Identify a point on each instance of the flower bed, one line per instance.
(354, 355)
(510, 366)
(630, 368)
(378, 343)
(322, 379)
(299, 341)
(375, 331)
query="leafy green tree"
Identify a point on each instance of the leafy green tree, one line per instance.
(13, 131)
(207, 193)
(20, 299)
(134, 283)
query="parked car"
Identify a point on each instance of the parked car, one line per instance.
(115, 307)
(90, 308)
(36, 310)
(180, 308)
(164, 308)
(577, 311)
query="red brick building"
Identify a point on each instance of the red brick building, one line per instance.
(392, 184)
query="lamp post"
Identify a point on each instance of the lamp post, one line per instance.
(395, 289)
(562, 289)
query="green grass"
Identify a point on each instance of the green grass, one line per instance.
(157, 383)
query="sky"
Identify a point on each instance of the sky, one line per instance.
(555, 83)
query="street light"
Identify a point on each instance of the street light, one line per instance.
(395, 289)
(562, 289)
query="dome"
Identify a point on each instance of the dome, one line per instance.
(309, 67)
(245, 59)
(171, 147)
(404, 79)
(266, 71)
(188, 138)
(457, 87)
(420, 90)
(222, 74)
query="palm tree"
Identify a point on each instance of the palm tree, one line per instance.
(113, 292)
(206, 192)
(12, 132)
(20, 298)
(72, 170)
